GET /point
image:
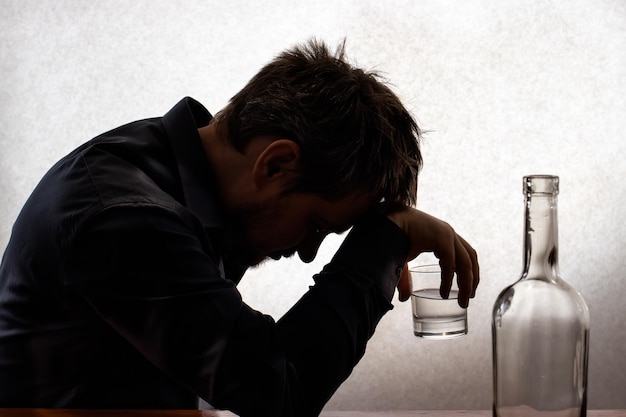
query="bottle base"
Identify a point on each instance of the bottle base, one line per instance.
(526, 411)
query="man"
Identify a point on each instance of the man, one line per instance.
(118, 286)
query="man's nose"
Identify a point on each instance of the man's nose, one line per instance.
(307, 250)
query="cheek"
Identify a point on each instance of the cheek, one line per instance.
(287, 236)
(281, 235)
(280, 227)
(289, 231)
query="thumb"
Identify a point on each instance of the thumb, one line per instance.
(405, 286)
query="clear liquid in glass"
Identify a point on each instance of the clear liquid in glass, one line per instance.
(437, 318)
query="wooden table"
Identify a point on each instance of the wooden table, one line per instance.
(39, 412)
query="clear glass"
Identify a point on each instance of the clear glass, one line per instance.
(433, 316)
(540, 324)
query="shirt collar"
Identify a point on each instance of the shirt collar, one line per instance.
(197, 180)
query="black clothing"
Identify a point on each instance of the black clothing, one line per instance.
(115, 291)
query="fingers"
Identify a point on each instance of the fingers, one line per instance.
(446, 252)
(467, 273)
(405, 285)
(473, 258)
(447, 264)
(456, 255)
(464, 273)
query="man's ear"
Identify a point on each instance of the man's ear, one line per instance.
(277, 163)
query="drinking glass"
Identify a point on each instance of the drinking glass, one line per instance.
(433, 316)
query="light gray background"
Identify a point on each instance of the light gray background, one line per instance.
(505, 89)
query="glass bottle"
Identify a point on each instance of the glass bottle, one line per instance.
(540, 326)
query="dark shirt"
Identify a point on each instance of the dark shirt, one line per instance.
(116, 291)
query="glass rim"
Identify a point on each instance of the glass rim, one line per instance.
(425, 269)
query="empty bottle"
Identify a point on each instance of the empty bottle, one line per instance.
(540, 325)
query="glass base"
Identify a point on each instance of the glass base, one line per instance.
(440, 329)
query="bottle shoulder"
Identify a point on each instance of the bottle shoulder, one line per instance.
(543, 286)
(541, 297)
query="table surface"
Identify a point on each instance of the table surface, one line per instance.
(39, 412)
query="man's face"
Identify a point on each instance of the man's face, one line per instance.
(290, 223)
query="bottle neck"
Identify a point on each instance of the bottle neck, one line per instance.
(541, 236)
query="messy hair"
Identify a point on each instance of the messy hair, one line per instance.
(354, 133)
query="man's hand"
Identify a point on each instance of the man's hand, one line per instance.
(429, 234)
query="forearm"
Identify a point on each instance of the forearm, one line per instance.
(326, 332)
(195, 327)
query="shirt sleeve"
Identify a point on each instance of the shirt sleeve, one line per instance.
(326, 332)
(153, 277)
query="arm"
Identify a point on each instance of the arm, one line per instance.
(358, 286)
(326, 332)
(152, 279)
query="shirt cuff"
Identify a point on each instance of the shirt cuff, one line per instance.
(375, 248)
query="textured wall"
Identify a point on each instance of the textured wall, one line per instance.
(505, 89)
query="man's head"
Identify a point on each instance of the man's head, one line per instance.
(353, 133)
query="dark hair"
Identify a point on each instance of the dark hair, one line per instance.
(354, 133)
